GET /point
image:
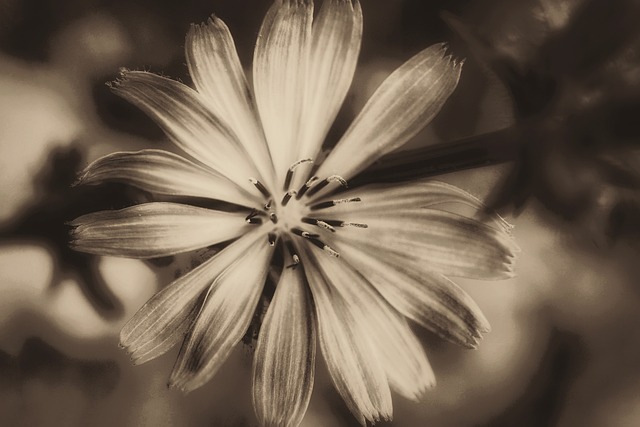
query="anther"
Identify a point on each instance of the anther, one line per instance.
(267, 205)
(273, 217)
(292, 168)
(296, 262)
(272, 239)
(260, 187)
(306, 187)
(252, 218)
(347, 200)
(330, 203)
(292, 252)
(319, 223)
(287, 197)
(328, 249)
(326, 226)
(305, 234)
(326, 182)
(354, 224)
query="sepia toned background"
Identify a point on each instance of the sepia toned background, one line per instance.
(550, 98)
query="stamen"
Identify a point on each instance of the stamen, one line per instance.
(292, 252)
(326, 226)
(319, 223)
(267, 205)
(354, 224)
(273, 217)
(326, 182)
(305, 234)
(272, 239)
(287, 197)
(260, 187)
(347, 200)
(332, 223)
(306, 187)
(252, 218)
(328, 249)
(292, 168)
(330, 203)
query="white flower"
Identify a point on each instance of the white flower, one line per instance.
(356, 265)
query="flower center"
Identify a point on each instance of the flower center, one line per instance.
(295, 215)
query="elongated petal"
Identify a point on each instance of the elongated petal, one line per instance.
(417, 194)
(181, 113)
(405, 102)
(164, 320)
(402, 356)
(217, 74)
(162, 172)
(354, 365)
(279, 73)
(441, 241)
(427, 298)
(390, 199)
(224, 318)
(284, 361)
(337, 34)
(154, 229)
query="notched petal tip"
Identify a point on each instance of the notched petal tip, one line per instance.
(455, 63)
(134, 359)
(114, 85)
(182, 384)
(212, 22)
(484, 327)
(172, 385)
(80, 178)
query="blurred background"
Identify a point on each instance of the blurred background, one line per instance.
(544, 125)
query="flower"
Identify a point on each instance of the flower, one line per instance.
(356, 265)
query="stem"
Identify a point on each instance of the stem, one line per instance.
(473, 152)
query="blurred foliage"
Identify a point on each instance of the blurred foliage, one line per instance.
(55, 204)
(571, 68)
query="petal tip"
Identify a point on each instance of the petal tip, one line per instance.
(123, 73)
(80, 179)
(484, 327)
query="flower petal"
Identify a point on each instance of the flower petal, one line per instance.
(218, 75)
(337, 34)
(164, 320)
(440, 241)
(162, 172)
(181, 113)
(426, 193)
(284, 361)
(405, 102)
(427, 298)
(223, 319)
(279, 72)
(354, 365)
(153, 230)
(402, 356)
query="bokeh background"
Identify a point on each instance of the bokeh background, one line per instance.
(543, 125)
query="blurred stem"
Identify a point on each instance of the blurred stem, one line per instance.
(473, 152)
